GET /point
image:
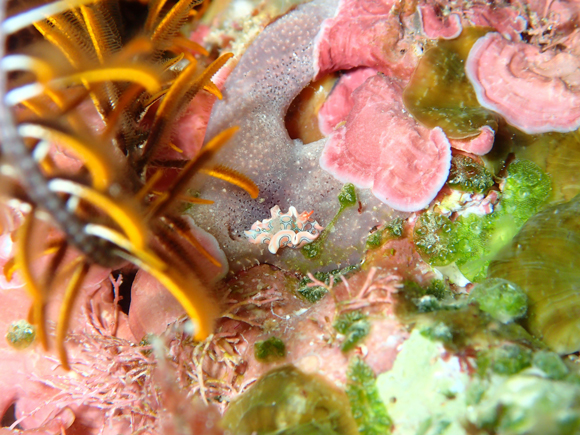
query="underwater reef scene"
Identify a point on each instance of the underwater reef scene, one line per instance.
(290, 217)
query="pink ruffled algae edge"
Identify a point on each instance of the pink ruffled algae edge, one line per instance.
(530, 102)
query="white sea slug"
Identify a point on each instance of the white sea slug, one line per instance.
(285, 229)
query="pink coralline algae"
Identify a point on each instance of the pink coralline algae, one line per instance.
(515, 80)
(365, 33)
(478, 145)
(504, 19)
(436, 26)
(290, 229)
(383, 148)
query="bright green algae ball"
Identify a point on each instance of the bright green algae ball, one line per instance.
(20, 335)
(501, 299)
(440, 94)
(287, 401)
(526, 189)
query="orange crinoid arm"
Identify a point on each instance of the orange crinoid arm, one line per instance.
(107, 209)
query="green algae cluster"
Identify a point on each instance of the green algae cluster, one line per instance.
(558, 154)
(315, 293)
(269, 350)
(543, 260)
(355, 326)
(469, 176)
(440, 94)
(287, 401)
(368, 409)
(501, 299)
(346, 198)
(392, 230)
(472, 241)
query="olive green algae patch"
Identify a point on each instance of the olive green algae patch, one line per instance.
(287, 401)
(354, 326)
(392, 230)
(314, 293)
(440, 94)
(269, 350)
(543, 260)
(423, 392)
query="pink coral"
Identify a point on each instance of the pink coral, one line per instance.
(507, 79)
(364, 33)
(437, 26)
(478, 145)
(336, 108)
(382, 147)
(504, 19)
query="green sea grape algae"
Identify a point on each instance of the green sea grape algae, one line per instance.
(472, 241)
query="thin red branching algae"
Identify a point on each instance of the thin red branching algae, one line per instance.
(376, 290)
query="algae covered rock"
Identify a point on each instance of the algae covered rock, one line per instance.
(543, 260)
(529, 405)
(288, 401)
(501, 299)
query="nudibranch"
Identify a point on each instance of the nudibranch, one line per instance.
(285, 229)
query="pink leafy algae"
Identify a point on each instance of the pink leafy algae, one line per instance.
(508, 79)
(382, 147)
(436, 26)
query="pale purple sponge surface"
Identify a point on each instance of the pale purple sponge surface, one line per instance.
(257, 94)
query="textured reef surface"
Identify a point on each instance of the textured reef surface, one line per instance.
(409, 266)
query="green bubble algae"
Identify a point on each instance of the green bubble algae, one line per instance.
(21, 334)
(440, 94)
(287, 401)
(543, 260)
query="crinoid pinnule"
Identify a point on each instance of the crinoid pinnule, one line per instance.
(108, 96)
